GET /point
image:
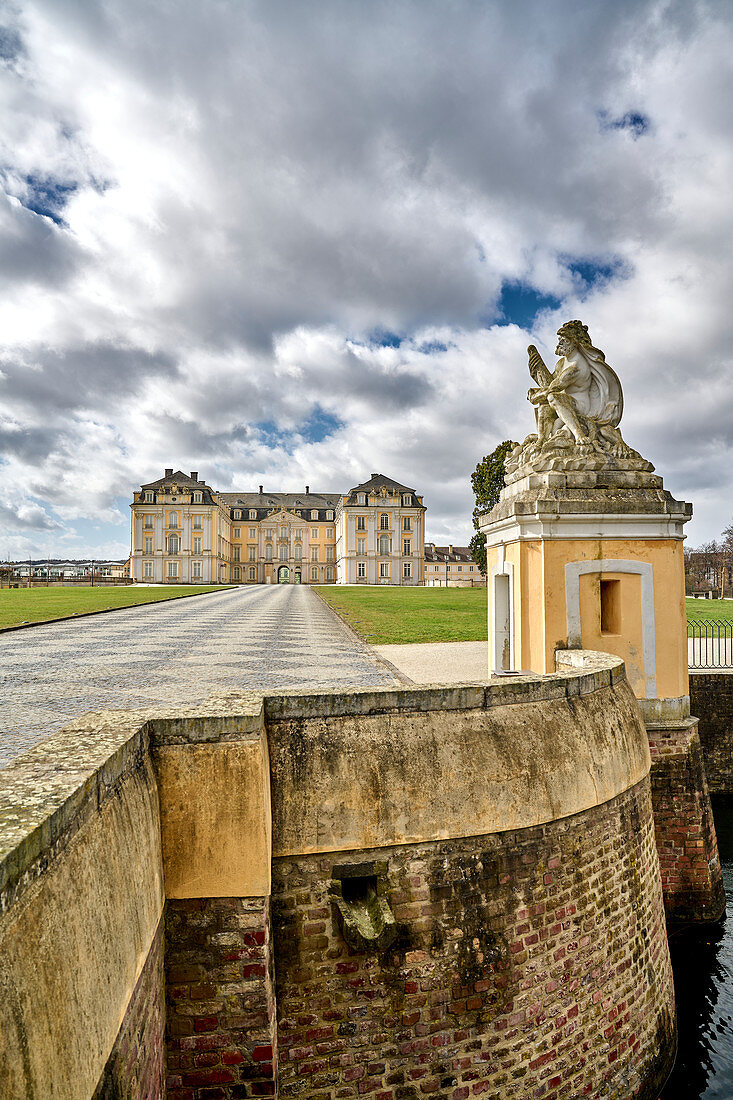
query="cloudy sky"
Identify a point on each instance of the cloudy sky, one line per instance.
(282, 242)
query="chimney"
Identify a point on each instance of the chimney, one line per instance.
(307, 489)
(169, 472)
(450, 549)
(194, 475)
(375, 475)
(260, 490)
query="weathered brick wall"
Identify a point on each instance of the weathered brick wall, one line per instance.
(711, 701)
(692, 879)
(528, 964)
(135, 1069)
(221, 1042)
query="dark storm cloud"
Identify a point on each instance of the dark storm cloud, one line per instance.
(97, 376)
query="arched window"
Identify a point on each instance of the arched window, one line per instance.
(384, 544)
(384, 522)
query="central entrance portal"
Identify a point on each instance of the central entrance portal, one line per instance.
(283, 575)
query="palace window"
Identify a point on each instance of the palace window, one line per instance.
(314, 514)
(252, 574)
(470, 569)
(197, 498)
(361, 569)
(298, 551)
(149, 498)
(384, 570)
(172, 569)
(268, 552)
(436, 567)
(283, 532)
(236, 532)
(406, 500)
(283, 553)
(147, 569)
(407, 569)
(173, 544)
(235, 573)
(197, 545)
(460, 568)
(314, 574)
(384, 544)
(149, 545)
(197, 523)
(361, 498)
(149, 522)
(361, 546)
(196, 566)
(314, 532)
(329, 573)
(252, 553)
(406, 523)
(235, 553)
(384, 522)
(406, 546)
(329, 515)
(237, 515)
(329, 553)
(173, 519)
(314, 553)
(252, 533)
(361, 523)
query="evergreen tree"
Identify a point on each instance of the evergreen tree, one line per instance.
(487, 481)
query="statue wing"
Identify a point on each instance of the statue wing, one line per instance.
(607, 399)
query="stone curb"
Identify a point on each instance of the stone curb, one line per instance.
(108, 610)
(400, 676)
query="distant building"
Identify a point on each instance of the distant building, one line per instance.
(451, 567)
(183, 531)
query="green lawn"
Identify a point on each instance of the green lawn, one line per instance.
(709, 610)
(32, 605)
(384, 615)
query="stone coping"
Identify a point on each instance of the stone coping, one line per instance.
(47, 793)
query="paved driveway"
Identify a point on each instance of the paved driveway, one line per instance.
(249, 638)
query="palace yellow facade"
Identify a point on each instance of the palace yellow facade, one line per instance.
(183, 532)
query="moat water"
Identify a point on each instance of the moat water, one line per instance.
(702, 960)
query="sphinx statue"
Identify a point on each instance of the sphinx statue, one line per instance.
(578, 408)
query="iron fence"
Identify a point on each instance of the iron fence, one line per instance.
(710, 643)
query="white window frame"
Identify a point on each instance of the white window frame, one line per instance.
(407, 569)
(314, 514)
(361, 569)
(252, 513)
(252, 573)
(149, 497)
(384, 521)
(384, 570)
(147, 569)
(197, 498)
(196, 570)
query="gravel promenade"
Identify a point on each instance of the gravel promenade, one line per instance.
(250, 638)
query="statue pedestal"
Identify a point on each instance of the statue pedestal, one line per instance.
(590, 559)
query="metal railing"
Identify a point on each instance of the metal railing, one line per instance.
(710, 643)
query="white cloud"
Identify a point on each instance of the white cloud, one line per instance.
(252, 191)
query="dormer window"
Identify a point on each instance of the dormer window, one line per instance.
(314, 514)
(237, 514)
(252, 513)
(329, 515)
(148, 498)
(406, 500)
(361, 498)
(197, 498)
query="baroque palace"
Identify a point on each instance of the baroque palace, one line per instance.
(185, 532)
